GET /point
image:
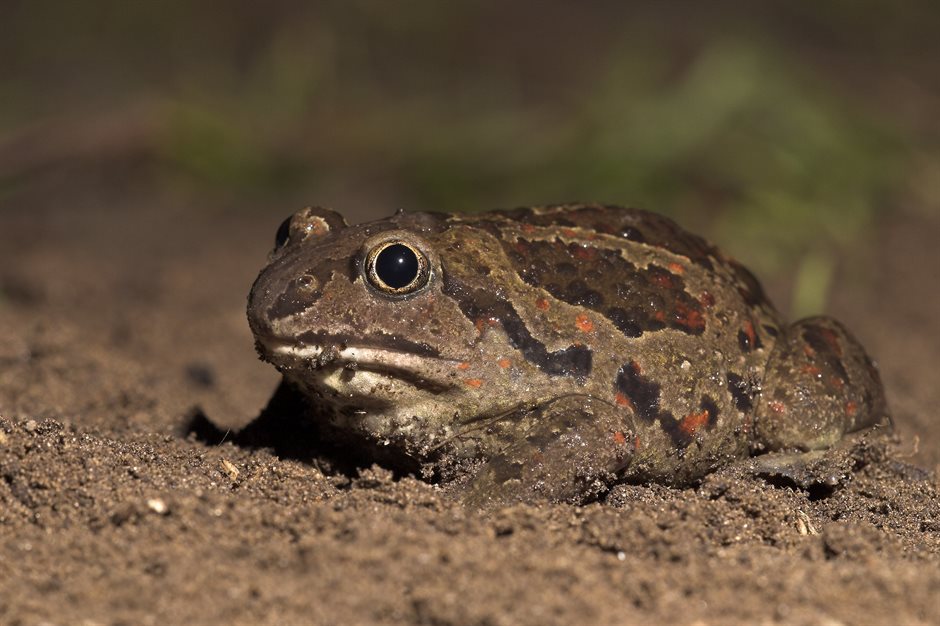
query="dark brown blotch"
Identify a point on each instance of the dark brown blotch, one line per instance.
(634, 300)
(749, 288)
(683, 431)
(827, 347)
(709, 405)
(476, 304)
(748, 339)
(742, 391)
(626, 323)
(642, 392)
(644, 396)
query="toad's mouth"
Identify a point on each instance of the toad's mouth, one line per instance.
(359, 369)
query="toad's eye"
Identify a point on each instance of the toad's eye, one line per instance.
(397, 268)
(283, 234)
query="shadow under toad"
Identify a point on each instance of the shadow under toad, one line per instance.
(289, 427)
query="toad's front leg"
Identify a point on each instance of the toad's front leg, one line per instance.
(566, 450)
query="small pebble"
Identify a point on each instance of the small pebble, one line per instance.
(229, 468)
(804, 525)
(158, 506)
(30, 426)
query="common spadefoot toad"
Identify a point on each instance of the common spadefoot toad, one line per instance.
(549, 352)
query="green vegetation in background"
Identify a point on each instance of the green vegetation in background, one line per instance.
(785, 172)
(742, 140)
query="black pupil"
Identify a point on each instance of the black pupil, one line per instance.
(397, 265)
(283, 233)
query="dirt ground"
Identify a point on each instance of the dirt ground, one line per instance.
(121, 320)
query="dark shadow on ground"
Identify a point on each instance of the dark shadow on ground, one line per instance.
(291, 429)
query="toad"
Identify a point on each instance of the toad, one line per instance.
(547, 353)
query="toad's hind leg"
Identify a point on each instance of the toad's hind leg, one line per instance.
(819, 384)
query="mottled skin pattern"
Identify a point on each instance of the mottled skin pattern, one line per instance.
(553, 351)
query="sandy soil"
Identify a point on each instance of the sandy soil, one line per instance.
(118, 327)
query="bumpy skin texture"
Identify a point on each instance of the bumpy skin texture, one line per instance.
(553, 350)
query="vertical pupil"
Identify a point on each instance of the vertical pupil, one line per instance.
(397, 265)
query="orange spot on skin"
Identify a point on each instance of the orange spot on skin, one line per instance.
(749, 331)
(690, 318)
(676, 268)
(663, 280)
(808, 350)
(623, 400)
(851, 408)
(585, 254)
(569, 232)
(584, 323)
(811, 369)
(541, 304)
(476, 383)
(636, 442)
(832, 340)
(481, 323)
(619, 438)
(836, 382)
(528, 228)
(504, 363)
(707, 300)
(777, 407)
(692, 422)
(659, 316)
(463, 366)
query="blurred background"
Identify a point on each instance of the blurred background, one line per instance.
(781, 130)
(149, 150)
